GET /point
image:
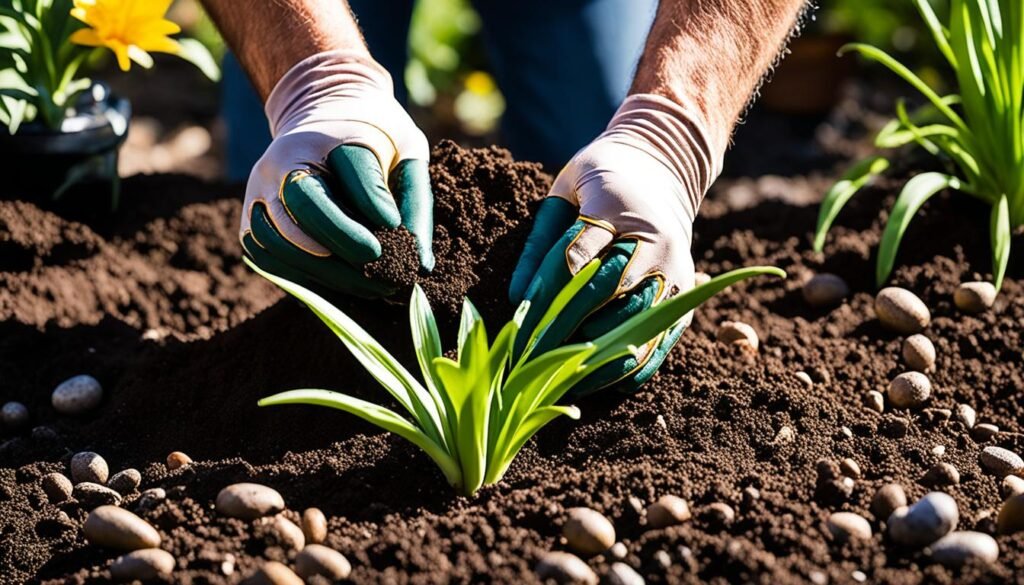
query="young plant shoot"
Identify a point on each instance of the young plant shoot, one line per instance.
(979, 131)
(473, 415)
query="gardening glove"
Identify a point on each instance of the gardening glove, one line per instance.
(346, 159)
(628, 198)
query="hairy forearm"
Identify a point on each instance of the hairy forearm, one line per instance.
(268, 37)
(714, 54)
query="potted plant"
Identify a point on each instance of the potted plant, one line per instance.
(63, 127)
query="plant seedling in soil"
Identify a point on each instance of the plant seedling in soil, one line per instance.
(980, 131)
(473, 414)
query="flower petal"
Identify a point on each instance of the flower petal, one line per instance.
(87, 37)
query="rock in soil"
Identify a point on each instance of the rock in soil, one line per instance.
(91, 495)
(719, 514)
(941, 474)
(14, 416)
(1011, 515)
(318, 560)
(77, 395)
(57, 487)
(89, 466)
(249, 501)
(909, 390)
(966, 414)
(850, 468)
(177, 460)
(927, 520)
(984, 432)
(731, 332)
(113, 527)
(565, 567)
(314, 526)
(125, 482)
(825, 290)
(974, 297)
(588, 532)
(887, 500)
(273, 573)
(1012, 486)
(282, 531)
(669, 510)
(901, 311)
(143, 565)
(622, 574)
(959, 548)
(919, 353)
(846, 526)
(1001, 462)
(876, 401)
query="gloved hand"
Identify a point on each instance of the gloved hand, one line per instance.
(340, 140)
(630, 198)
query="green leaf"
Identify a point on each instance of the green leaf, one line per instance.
(847, 186)
(562, 299)
(1000, 234)
(427, 344)
(470, 317)
(914, 194)
(537, 420)
(377, 361)
(197, 54)
(376, 415)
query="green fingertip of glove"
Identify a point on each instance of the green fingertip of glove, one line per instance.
(410, 182)
(554, 216)
(363, 184)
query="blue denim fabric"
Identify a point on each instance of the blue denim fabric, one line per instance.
(563, 66)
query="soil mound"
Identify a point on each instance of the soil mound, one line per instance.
(706, 428)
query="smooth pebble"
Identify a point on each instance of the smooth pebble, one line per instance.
(565, 567)
(587, 531)
(14, 416)
(1011, 515)
(1012, 486)
(720, 514)
(273, 573)
(974, 297)
(622, 574)
(805, 378)
(77, 395)
(669, 510)
(89, 466)
(887, 499)
(909, 390)
(846, 526)
(249, 501)
(143, 565)
(113, 527)
(958, 548)
(287, 534)
(1000, 462)
(736, 332)
(850, 468)
(177, 460)
(92, 495)
(825, 290)
(319, 560)
(927, 520)
(984, 431)
(919, 353)
(901, 311)
(876, 401)
(57, 487)
(314, 526)
(125, 482)
(942, 474)
(966, 414)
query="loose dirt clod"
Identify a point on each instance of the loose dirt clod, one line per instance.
(919, 353)
(399, 263)
(901, 311)
(588, 532)
(974, 297)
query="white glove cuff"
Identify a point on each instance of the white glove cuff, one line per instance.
(321, 78)
(673, 134)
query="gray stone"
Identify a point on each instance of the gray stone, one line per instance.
(113, 527)
(57, 487)
(319, 560)
(14, 416)
(966, 414)
(143, 565)
(588, 532)
(249, 501)
(91, 495)
(909, 390)
(77, 395)
(929, 519)
(89, 466)
(622, 574)
(825, 290)
(565, 567)
(125, 482)
(958, 548)
(1001, 462)
(942, 474)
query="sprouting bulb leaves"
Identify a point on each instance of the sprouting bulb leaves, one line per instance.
(472, 415)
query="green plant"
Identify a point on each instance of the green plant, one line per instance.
(980, 130)
(44, 43)
(473, 415)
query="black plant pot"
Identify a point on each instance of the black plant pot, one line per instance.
(41, 163)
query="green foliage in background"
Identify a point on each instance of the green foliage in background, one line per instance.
(978, 132)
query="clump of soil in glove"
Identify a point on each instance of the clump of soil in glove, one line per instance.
(399, 264)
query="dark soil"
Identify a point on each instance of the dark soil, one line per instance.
(80, 292)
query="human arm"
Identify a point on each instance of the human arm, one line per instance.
(345, 159)
(630, 197)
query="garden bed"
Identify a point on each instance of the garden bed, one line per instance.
(155, 303)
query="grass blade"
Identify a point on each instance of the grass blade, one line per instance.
(530, 426)
(1000, 234)
(842, 191)
(427, 344)
(560, 301)
(376, 415)
(914, 194)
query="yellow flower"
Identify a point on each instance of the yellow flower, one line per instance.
(129, 28)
